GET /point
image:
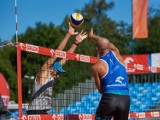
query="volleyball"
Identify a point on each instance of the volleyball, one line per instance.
(76, 20)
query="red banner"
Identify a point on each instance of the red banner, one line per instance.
(140, 18)
(136, 64)
(85, 116)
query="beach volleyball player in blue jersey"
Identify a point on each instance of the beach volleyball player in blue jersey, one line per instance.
(42, 89)
(111, 81)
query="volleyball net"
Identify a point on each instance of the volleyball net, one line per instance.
(75, 96)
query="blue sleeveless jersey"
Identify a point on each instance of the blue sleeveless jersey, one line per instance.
(115, 80)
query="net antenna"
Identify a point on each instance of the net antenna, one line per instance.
(16, 19)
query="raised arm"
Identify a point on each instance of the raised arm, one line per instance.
(61, 46)
(63, 43)
(93, 36)
(46, 68)
(79, 38)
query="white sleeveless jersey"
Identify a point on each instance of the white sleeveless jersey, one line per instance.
(42, 96)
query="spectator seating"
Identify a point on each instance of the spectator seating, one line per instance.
(142, 97)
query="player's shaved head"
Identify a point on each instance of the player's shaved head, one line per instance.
(103, 44)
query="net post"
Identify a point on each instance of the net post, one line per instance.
(19, 81)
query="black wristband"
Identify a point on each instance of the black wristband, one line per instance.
(75, 43)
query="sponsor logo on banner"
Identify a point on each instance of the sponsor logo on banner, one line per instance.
(5, 100)
(24, 117)
(77, 57)
(60, 54)
(153, 69)
(52, 52)
(138, 66)
(136, 63)
(84, 58)
(34, 117)
(32, 48)
(141, 115)
(22, 45)
(155, 114)
(128, 60)
(85, 117)
(58, 117)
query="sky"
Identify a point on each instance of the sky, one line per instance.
(46, 11)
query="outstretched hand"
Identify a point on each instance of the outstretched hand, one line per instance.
(80, 37)
(71, 30)
(91, 34)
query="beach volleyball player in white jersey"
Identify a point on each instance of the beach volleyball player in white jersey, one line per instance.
(42, 90)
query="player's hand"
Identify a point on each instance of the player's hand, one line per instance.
(91, 34)
(80, 37)
(71, 30)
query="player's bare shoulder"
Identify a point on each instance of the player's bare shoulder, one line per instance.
(100, 67)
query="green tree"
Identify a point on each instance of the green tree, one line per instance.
(8, 68)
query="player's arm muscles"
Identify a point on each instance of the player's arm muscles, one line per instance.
(45, 71)
(116, 51)
(46, 68)
(113, 48)
(97, 79)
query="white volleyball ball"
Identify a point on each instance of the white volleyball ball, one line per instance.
(76, 20)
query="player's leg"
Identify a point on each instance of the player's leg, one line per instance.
(123, 108)
(106, 107)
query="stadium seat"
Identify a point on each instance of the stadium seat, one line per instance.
(82, 110)
(15, 114)
(154, 90)
(134, 100)
(143, 98)
(147, 84)
(64, 111)
(85, 98)
(140, 94)
(155, 84)
(84, 103)
(149, 88)
(149, 95)
(134, 91)
(140, 88)
(51, 111)
(154, 100)
(92, 97)
(78, 104)
(148, 102)
(158, 87)
(92, 110)
(95, 103)
(132, 108)
(138, 85)
(158, 95)
(130, 85)
(138, 103)
(137, 109)
(72, 110)
(143, 107)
